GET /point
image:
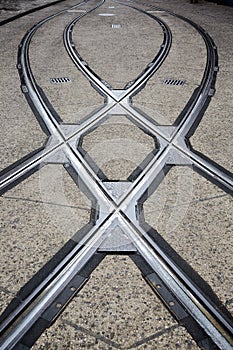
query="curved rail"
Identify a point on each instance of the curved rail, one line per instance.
(44, 303)
(134, 86)
(190, 117)
(48, 121)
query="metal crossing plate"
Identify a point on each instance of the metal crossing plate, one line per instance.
(118, 209)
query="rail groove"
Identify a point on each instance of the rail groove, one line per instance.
(33, 310)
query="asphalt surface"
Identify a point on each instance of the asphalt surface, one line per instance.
(116, 309)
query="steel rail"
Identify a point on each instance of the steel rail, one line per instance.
(164, 134)
(38, 8)
(21, 171)
(174, 278)
(205, 90)
(213, 172)
(81, 258)
(192, 290)
(128, 209)
(138, 83)
(51, 124)
(219, 177)
(52, 290)
(206, 87)
(36, 100)
(125, 213)
(26, 167)
(30, 88)
(184, 127)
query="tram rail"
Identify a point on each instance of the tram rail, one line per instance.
(40, 302)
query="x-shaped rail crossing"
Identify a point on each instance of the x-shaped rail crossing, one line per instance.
(118, 225)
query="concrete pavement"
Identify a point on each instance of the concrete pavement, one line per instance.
(117, 309)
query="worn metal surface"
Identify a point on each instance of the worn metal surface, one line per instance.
(118, 223)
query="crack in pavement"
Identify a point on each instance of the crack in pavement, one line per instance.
(114, 344)
(44, 202)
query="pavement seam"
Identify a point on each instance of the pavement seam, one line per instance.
(116, 345)
(44, 202)
(154, 336)
(204, 199)
(7, 291)
(91, 333)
